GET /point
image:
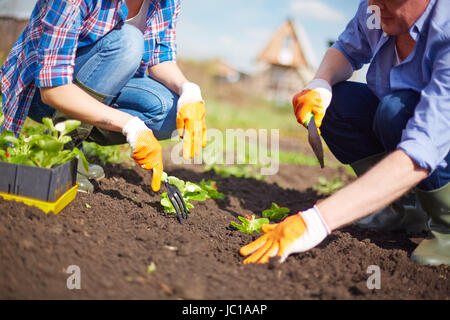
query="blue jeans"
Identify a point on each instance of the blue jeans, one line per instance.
(358, 125)
(108, 69)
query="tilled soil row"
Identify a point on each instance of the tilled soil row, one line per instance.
(114, 234)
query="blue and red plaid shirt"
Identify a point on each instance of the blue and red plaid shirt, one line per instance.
(44, 54)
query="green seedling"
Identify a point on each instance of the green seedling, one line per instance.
(327, 187)
(211, 188)
(190, 191)
(275, 212)
(250, 224)
(151, 268)
(42, 146)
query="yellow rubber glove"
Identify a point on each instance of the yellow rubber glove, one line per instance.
(296, 233)
(146, 150)
(191, 120)
(314, 99)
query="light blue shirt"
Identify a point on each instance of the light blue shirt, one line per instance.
(426, 138)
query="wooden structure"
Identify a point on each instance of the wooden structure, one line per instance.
(223, 72)
(284, 65)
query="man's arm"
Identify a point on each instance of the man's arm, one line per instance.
(385, 182)
(73, 101)
(388, 180)
(334, 67)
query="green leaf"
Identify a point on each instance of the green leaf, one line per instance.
(211, 188)
(10, 139)
(177, 182)
(65, 139)
(165, 202)
(163, 176)
(68, 126)
(151, 268)
(275, 212)
(52, 146)
(79, 153)
(3, 155)
(251, 225)
(192, 187)
(21, 159)
(192, 196)
(49, 124)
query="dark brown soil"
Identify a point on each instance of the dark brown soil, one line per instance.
(114, 234)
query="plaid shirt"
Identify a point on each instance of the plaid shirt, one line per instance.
(44, 54)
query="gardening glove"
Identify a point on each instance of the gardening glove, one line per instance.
(191, 119)
(297, 233)
(313, 100)
(146, 150)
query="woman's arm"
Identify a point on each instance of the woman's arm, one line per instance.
(73, 101)
(169, 74)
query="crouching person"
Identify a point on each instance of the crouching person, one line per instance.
(394, 131)
(111, 65)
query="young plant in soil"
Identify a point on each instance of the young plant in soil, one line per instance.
(326, 187)
(250, 224)
(276, 213)
(190, 191)
(41, 146)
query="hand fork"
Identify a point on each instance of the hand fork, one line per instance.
(177, 201)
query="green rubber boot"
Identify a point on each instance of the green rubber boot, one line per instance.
(404, 214)
(84, 185)
(435, 251)
(95, 172)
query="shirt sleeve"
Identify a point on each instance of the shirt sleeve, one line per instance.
(353, 42)
(426, 138)
(166, 47)
(61, 25)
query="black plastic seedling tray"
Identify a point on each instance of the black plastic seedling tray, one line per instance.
(38, 183)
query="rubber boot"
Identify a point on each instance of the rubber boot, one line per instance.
(435, 251)
(404, 214)
(95, 172)
(84, 185)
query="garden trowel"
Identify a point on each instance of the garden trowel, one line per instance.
(314, 140)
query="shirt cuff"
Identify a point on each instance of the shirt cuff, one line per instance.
(56, 67)
(424, 154)
(54, 76)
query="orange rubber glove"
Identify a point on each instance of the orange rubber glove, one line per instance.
(296, 233)
(191, 120)
(314, 99)
(147, 151)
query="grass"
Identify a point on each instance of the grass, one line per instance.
(297, 158)
(223, 116)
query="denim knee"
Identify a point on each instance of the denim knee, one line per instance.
(392, 115)
(126, 43)
(152, 102)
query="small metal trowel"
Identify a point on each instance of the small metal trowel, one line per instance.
(315, 141)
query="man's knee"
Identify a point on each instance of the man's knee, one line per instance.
(392, 114)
